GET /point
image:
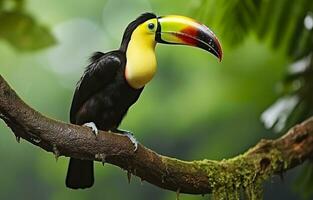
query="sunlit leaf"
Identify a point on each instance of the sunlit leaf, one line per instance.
(276, 116)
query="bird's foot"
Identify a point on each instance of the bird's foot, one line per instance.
(131, 137)
(93, 127)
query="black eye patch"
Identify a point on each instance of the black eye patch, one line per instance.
(151, 26)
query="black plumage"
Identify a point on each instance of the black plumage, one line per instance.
(102, 96)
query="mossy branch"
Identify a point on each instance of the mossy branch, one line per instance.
(225, 179)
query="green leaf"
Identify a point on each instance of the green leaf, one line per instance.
(236, 19)
(23, 32)
(280, 22)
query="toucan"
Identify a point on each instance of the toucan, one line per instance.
(113, 81)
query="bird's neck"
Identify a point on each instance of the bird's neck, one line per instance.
(141, 61)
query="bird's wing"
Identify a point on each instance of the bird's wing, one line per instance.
(97, 75)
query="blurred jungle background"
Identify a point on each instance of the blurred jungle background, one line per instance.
(195, 108)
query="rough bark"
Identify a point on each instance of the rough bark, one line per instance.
(223, 178)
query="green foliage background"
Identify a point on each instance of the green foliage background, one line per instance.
(195, 107)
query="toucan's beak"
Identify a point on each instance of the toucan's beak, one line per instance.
(175, 29)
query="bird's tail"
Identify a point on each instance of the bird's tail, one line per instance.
(79, 174)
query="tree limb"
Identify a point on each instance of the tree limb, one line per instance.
(224, 177)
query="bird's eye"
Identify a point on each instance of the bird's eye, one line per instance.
(151, 26)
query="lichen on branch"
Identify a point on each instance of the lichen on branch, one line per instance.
(225, 179)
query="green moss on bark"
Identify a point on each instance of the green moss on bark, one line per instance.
(240, 176)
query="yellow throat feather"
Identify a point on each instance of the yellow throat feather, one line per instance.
(141, 61)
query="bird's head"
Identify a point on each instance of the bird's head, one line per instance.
(141, 36)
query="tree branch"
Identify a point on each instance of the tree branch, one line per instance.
(226, 177)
